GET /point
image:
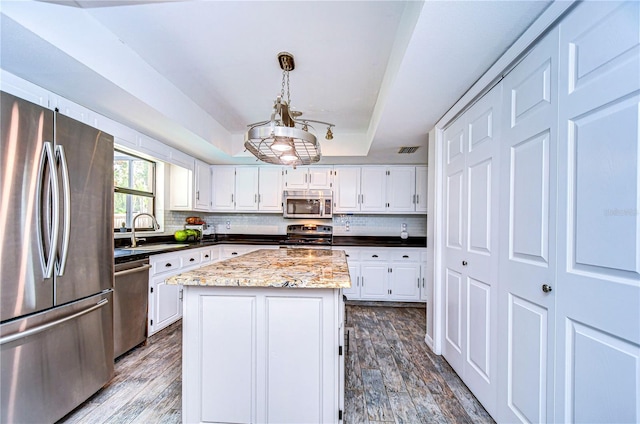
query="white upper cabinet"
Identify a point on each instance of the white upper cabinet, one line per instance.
(190, 187)
(247, 189)
(270, 189)
(308, 178)
(378, 189)
(223, 182)
(346, 196)
(401, 186)
(202, 189)
(421, 189)
(180, 188)
(373, 189)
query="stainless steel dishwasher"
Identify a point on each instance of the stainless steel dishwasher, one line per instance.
(130, 305)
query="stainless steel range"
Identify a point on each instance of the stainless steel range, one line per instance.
(312, 236)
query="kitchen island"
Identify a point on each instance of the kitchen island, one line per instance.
(263, 338)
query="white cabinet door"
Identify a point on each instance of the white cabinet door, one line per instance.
(202, 192)
(404, 282)
(373, 189)
(346, 194)
(320, 178)
(401, 185)
(180, 188)
(353, 293)
(426, 290)
(296, 179)
(223, 182)
(597, 287)
(270, 189)
(246, 188)
(421, 189)
(312, 178)
(374, 281)
(166, 301)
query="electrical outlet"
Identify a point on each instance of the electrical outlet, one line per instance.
(228, 225)
(347, 226)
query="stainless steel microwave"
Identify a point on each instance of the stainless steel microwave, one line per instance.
(308, 204)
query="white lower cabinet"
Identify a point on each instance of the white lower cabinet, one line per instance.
(385, 273)
(165, 300)
(268, 355)
(165, 306)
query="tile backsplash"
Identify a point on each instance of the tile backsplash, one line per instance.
(343, 224)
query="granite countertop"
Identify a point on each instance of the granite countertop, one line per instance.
(303, 268)
(123, 254)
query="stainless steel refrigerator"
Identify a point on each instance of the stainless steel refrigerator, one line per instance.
(56, 250)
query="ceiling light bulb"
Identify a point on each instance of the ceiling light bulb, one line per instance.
(289, 156)
(329, 135)
(282, 144)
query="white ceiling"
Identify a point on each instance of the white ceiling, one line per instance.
(193, 74)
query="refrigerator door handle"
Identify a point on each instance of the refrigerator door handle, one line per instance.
(48, 263)
(41, 328)
(64, 253)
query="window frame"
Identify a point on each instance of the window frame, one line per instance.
(125, 190)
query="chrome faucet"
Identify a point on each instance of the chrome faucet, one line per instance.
(156, 226)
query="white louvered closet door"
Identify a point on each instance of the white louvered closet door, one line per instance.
(471, 242)
(598, 283)
(527, 236)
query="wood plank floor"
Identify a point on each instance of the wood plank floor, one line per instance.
(391, 376)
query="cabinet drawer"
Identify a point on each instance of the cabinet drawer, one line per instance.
(374, 255)
(206, 256)
(350, 253)
(405, 255)
(165, 264)
(189, 259)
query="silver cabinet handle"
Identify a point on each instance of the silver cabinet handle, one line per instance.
(132, 270)
(417, 199)
(422, 282)
(362, 280)
(255, 198)
(198, 195)
(546, 288)
(418, 282)
(41, 328)
(465, 263)
(67, 209)
(357, 281)
(54, 207)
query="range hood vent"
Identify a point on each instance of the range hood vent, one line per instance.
(408, 149)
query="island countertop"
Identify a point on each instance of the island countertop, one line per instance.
(303, 268)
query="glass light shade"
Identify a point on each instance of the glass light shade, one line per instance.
(289, 156)
(282, 144)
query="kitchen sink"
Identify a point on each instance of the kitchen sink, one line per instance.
(153, 247)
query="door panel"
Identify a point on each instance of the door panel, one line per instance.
(479, 329)
(598, 325)
(453, 319)
(454, 211)
(528, 173)
(527, 360)
(529, 208)
(23, 286)
(89, 158)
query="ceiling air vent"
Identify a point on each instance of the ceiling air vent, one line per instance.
(408, 149)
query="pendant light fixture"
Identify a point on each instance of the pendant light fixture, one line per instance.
(285, 139)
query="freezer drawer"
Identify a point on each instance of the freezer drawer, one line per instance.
(53, 361)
